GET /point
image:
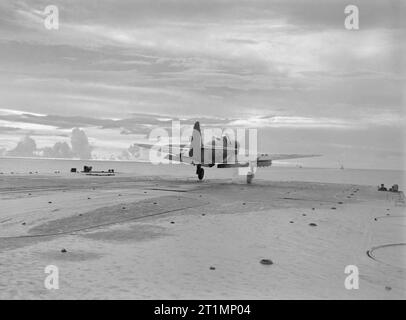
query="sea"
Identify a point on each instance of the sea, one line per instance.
(38, 166)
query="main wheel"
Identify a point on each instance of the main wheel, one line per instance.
(250, 176)
(200, 173)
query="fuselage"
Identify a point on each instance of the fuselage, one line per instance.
(225, 151)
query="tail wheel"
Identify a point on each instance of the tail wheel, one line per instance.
(200, 173)
(250, 176)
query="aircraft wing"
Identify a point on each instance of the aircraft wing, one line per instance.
(182, 146)
(179, 157)
(173, 152)
(282, 156)
(179, 153)
(262, 160)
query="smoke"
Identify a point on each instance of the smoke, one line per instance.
(59, 150)
(80, 144)
(25, 148)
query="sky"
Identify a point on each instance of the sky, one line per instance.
(114, 70)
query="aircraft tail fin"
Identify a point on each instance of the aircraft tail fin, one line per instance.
(196, 143)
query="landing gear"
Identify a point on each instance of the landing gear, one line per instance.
(251, 172)
(200, 172)
(250, 176)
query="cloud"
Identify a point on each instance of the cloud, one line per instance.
(134, 152)
(25, 148)
(134, 123)
(59, 150)
(7, 129)
(295, 122)
(80, 144)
